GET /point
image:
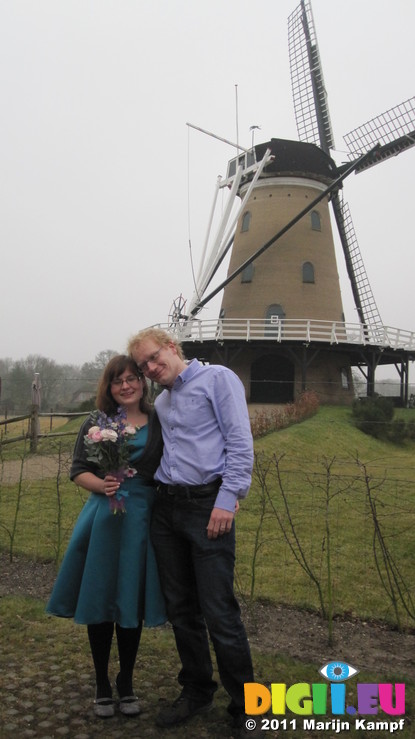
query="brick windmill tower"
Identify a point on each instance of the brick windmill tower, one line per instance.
(281, 325)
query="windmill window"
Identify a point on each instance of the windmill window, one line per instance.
(250, 158)
(246, 220)
(308, 272)
(232, 168)
(315, 221)
(248, 273)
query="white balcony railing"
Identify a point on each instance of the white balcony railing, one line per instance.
(305, 330)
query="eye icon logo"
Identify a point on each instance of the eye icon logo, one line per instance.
(337, 671)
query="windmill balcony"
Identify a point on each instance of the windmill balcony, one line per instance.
(291, 329)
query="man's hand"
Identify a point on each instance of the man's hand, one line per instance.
(220, 523)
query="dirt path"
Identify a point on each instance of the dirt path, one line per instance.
(275, 629)
(37, 467)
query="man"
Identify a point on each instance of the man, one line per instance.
(205, 469)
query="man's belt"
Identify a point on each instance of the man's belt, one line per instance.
(188, 491)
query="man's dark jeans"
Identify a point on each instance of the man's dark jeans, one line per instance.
(196, 576)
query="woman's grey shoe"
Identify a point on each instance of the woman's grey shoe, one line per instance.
(129, 705)
(104, 707)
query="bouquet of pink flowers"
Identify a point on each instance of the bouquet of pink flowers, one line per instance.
(106, 444)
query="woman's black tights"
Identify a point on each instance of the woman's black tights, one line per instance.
(100, 640)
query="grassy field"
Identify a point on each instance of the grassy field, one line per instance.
(15, 450)
(318, 513)
(21, 427)
(305, 534)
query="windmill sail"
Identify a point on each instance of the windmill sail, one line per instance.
(314, 126)
(309, 92)
(243, 166)
(394, 130)
(364, 299)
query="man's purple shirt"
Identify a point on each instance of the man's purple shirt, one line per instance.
(206, 432)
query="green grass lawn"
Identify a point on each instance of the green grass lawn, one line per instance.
(324, 464)
(286, 546)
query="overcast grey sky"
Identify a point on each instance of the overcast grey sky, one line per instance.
(103, 184)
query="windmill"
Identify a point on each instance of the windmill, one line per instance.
(281, 325)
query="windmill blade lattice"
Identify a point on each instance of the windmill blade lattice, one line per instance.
(394, 130)
(362, 292)
(309, 92)
(314, 126)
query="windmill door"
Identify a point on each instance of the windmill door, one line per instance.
(272, 379)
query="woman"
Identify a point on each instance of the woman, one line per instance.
(109, 574)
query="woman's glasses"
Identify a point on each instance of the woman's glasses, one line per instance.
(130, 380)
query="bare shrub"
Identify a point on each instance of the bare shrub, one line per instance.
(275, 418)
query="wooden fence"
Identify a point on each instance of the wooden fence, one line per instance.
(33, 433)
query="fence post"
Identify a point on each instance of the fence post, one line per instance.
(34, 413)
(33, 430)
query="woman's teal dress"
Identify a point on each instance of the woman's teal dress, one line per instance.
(109, 571)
